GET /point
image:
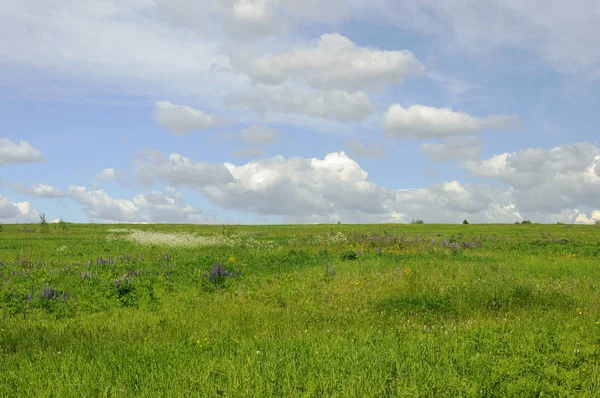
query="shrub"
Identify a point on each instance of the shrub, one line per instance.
(126, 291)
(417, 222)
(349, 255)
(1, 227)
(43, 223)
(465, 222)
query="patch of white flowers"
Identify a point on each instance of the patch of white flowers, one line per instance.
(337, 238)
(262, 244)
(181, 239)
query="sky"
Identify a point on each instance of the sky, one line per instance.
(287, 111)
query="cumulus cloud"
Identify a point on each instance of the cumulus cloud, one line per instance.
(16, 212)
(452, 202)
(454, 149)
(22, 152)
(260, 134)
(420, 121)
(181, 119)
(152, 207)
(368, 150)
(337, 188)
(39, 190)
(179, 170)
(165, 209)
(111, 174)
(336, 104)
(299, 186)
(252, 17)
(334, 62)
(98, 205)
(546, 180)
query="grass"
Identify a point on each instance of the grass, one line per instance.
(325, 310)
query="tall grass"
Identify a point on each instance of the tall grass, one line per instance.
(417, 310)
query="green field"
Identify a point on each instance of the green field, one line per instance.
(326, 310)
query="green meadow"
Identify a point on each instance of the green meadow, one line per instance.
(299, 311)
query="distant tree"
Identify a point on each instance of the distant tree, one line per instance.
(43, 223)
(526, 222)
(417, 222)
(465, 222)
(1, 227)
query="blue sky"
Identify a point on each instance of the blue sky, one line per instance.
(271, 111)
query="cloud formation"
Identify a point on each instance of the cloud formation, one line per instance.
(333, 62)
(16, 212)
(22, 152)
(454, 149)
(39, 190)
(182, 119)
(335, 104)
(420, 121)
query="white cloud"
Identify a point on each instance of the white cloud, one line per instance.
(111, 174)
(260, 134)
(152, 207)
(334, 62)
(454, 149)
(98, 205)
(135, 51)
(562, 34)
(179, 170)
(39, 190)
(335, 104)
(337, 188)
(420, 121)
(369, 150)
(452, 202)
(546, 180)
(18, 153)
(299, 186)
(252, 17)
(181, 119)
(164, 209)
(249, 152)
(16, 212)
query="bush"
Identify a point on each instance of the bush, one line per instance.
(417, 222)
(349, 255)
(465, 222)
(1, 227)
(43, 223)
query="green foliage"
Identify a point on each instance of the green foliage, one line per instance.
(349, 255)
(1, 227)
(439, 310)
(44, 226)
(62, 226)
(465, 222)
(417, 222)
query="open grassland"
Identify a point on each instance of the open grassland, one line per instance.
(331, 310)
